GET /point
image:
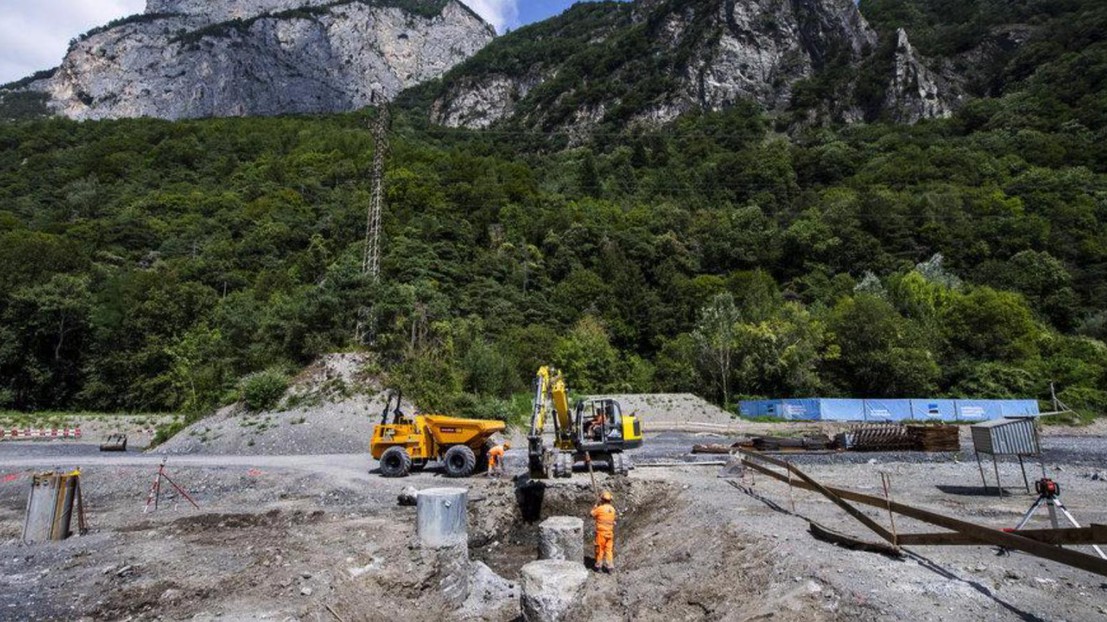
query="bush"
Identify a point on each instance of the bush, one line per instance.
(1087, 404)
(167, 431)
(264, 390)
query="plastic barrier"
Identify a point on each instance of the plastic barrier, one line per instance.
(919, 409)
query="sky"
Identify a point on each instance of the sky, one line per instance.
(34, 34)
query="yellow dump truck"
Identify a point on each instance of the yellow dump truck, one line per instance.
(404, 443)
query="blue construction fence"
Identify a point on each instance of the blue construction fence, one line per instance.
(833, 409)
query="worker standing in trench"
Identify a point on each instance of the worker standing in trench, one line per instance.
(496, 459)
(604, 514)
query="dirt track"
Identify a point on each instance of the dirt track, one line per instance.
(283, 537)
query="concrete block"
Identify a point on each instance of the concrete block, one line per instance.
(550, 589)
(561, 537)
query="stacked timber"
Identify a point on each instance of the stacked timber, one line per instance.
(936, 437)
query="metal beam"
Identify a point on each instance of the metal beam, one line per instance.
(985, 535)
(1096, 534)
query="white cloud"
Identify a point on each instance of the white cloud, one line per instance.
(34, 34)
(502, 14)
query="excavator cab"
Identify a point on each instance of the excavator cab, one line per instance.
(593, 430)
(602, 427)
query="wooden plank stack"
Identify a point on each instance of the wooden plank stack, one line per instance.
(936, 437)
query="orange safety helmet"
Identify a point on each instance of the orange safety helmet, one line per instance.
(507, 444)
(605, 495)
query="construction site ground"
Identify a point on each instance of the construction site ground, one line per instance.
(321, 537)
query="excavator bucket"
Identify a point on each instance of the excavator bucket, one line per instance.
(114, 442)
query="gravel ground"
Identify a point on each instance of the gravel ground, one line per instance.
(283, 537)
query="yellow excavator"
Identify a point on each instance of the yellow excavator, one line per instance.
(595, 429)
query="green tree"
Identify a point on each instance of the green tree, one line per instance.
(45, 327)
(876, 351)
(587, 357)
(991, 325)
(198, 371)
(780, 355)
(716, 341)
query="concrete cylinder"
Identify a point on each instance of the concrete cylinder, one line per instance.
(452, 571)
(550, 589)
(442, 524)
(441, 517)
(561, 537)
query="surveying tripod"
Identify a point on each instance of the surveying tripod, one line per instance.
(1049, 494)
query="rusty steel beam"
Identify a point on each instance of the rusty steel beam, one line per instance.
(1095, 534)
(985, 535)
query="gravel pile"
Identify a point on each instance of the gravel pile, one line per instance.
(669, 408)
(330, 408)
(329, 428)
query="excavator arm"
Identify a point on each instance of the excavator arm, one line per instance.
(550, 396)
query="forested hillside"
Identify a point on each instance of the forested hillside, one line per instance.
(153, 265)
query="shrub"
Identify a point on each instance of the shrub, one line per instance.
(263, 390)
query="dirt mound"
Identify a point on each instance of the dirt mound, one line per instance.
(328, 428)
(329, 408)
(673, 410)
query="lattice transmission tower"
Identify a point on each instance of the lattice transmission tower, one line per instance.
(371, 260)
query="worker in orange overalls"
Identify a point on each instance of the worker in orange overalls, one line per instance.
(496, 458)
(604, 513)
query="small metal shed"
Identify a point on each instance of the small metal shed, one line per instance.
(1010, 436)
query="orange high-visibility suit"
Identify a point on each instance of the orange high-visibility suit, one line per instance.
(495, 456)
(605, 534)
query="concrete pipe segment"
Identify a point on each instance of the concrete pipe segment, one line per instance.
(441, 517)
(550, 589)
(561, 537)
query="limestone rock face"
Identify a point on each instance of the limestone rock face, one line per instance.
(716, 53)
(767, 46)
(915, 92)
(225, 10)
(481, 102)
(183, 59)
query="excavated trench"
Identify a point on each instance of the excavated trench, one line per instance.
(677, 558)
(513, 541)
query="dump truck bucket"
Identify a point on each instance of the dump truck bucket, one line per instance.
(454, 431)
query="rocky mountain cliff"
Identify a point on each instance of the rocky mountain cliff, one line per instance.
(194, 58)
(653, 60)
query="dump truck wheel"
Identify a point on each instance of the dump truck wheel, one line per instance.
(395, 462)
(460, 461)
